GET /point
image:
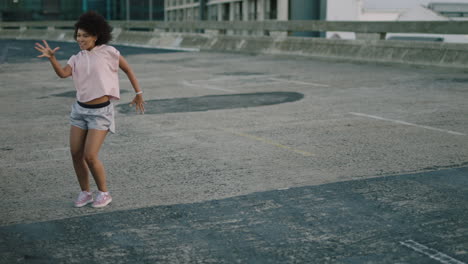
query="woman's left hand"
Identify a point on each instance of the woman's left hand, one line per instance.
(47, 52)
(139, 103)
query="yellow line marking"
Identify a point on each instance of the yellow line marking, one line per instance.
(271, 142)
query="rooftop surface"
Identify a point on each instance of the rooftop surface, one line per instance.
(240, 159)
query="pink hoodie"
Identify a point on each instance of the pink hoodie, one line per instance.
(95, 73)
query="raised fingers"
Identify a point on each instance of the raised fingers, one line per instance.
(38, 49)
(41, 49)
(39, 45)
(46, 44)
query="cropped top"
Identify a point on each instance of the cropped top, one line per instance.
(95, 73)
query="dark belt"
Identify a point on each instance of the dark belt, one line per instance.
(93, 106)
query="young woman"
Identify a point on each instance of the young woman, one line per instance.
(95, 75)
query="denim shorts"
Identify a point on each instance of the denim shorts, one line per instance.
(89, 118)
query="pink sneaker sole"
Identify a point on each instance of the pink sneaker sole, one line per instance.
(78, 205)
(94, 205)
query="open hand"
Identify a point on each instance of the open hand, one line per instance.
(139, 103)
(47, 52)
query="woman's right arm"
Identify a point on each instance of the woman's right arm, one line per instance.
(47, 52)
(61, 72)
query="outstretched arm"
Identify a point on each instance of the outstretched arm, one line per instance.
(47, 52)
(138, 100)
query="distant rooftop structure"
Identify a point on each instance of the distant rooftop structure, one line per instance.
(421, 13)
(435, 11)
(418, 13)
(373, 14)
(450, 9)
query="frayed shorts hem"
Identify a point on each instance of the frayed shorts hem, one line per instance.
(90, 128)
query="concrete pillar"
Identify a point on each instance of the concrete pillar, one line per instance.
(245, 10)
(220, 12)
(231, 11)
(251, 9)
(283, 10)
(282, 15)
(266, 9)
(245, 14)
(261, 10)
(231, 16)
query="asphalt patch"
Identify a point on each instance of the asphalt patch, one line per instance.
(172, 61)
(6, 148)
(379, 220)
(213, 102)
(453, 80)
(242, 73)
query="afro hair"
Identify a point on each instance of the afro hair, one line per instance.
(96, 25)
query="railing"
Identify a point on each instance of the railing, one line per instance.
(381, 28)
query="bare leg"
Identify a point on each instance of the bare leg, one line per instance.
(77, 145)
(94, 140)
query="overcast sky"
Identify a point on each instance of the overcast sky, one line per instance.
(403, 3)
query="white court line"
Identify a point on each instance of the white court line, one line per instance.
(432, 253)
(189, 84)
(51, 150)
(299, 82)
(408, 124)
(185, 68)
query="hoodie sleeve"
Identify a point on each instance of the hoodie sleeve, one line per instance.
(114, 57)
(71, 61)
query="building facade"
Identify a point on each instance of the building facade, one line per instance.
(247, 10)
(244, 10)
(29, 10)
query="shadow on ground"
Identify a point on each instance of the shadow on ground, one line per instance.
(380, 220)
(214, 102)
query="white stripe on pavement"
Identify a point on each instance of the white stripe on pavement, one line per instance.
(408, 124)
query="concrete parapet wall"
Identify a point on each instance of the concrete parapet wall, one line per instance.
(429, 27)
(58, 35)
(415, 53)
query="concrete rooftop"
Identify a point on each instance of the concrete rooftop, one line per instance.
(240, 159)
